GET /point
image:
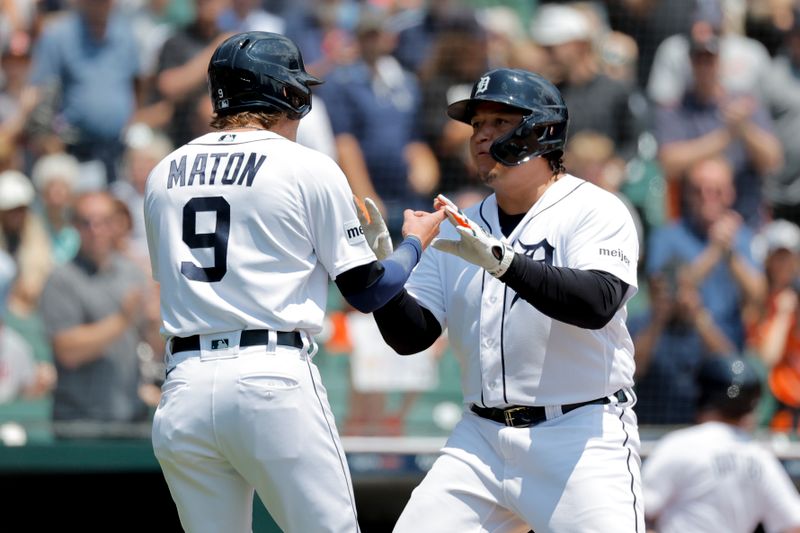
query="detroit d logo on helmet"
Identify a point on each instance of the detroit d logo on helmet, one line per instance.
(482, 85)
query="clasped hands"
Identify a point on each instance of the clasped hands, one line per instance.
(474, 245)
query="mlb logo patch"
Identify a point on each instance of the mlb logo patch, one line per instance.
(353, 231)
(219, 344)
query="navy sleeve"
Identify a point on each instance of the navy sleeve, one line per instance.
(406, 326)
(371, 286)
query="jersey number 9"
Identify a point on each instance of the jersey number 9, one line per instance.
(218, 240)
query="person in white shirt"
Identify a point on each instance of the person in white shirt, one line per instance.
(713, 476)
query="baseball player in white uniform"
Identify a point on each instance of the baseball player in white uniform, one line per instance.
(531, 284)
(245, 227)
(713, 477)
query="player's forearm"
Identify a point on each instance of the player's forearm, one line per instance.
(406, 326)
(370, 288)
(583, 298)
(86, 343)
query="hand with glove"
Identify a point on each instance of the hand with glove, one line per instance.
(375, 229)
(475, 245)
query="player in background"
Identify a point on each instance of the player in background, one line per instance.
(713, 477)
(532, 284)
(245, 228)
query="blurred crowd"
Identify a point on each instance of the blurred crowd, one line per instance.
(689, 110)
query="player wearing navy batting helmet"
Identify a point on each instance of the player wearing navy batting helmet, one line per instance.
(531, 284)
(245, 229)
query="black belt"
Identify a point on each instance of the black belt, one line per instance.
(521, 416)
(250, 337)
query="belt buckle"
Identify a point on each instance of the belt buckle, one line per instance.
(508, 414)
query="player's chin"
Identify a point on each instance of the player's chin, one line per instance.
(488, 177)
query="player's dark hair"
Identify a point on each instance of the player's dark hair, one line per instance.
(262, 119)
(556, 160)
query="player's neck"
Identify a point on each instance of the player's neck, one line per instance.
(284, 128)
(519, 193)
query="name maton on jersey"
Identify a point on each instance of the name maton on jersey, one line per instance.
(235, 168)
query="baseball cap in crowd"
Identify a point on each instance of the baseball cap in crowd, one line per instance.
(709, 12)
(16, 190)
(777, 235)
(556, 24)
(55, 167)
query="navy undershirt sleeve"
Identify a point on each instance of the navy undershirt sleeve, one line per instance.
(583, 298)
(371, 286)
(406, 326)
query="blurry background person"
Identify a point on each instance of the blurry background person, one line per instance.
(780, 91)
(712, 477)
(21, 375)
(775, 332)
(596, 102)
(373, 106)
(56, 178)
(743, 61)
(92, 308)
(711, 121)
(458, 56)
(702, 276)
(90, 55)
(23, 236)
(144, 147)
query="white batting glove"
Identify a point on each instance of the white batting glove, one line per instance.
(375, 230)
(475, 245)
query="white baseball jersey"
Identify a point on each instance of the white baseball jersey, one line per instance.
(244, 231)
(712, 477)
(511, 352)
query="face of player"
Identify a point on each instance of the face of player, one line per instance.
(490, 121)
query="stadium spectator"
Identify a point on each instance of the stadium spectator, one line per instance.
(592, 156)
(713, 476)
(459, 55)
(90, 54)
(418, 26)
(92, 308)
(767, 21)
(23, 236)
(21, 376)
(373, 105)
(775, 334)
(180, 87)
(596, 102)
(56, 178)
(702, 274)
(742, 61)
(648, 22)
(249, 15)
(323, 30)
(144, 148)
(779, 90)
(710, 122)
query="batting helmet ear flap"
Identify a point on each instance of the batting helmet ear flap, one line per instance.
(528, 140)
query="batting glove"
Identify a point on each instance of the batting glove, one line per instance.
(475, 245)
(375, 230)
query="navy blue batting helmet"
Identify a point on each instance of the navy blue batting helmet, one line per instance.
(259, 70)
(732, 385)
(543, 129)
